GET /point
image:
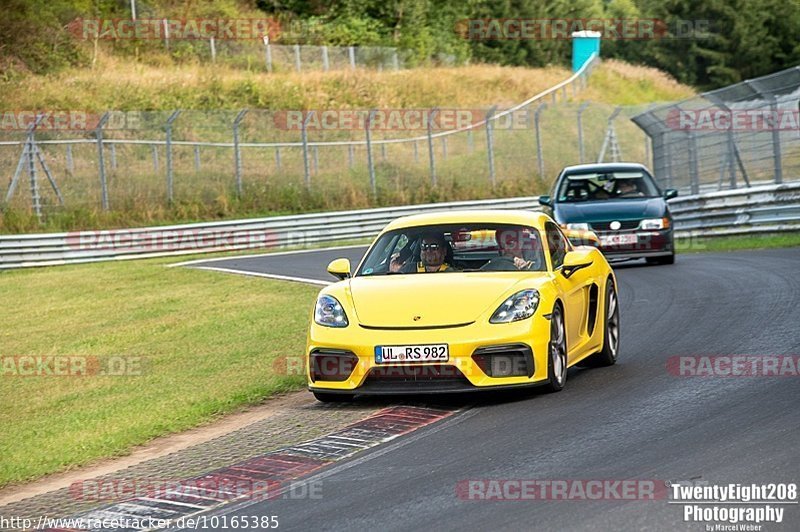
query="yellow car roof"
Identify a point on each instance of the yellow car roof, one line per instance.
(529, 218)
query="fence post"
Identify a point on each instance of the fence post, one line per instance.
(490, 145)
(539, 155)
(277, 158)
(370, 163)
(196, 158)
(101, 164)
(166, 33)
(649, 151)
(693, 169)
(776, 139)
(581, 151)
(395, 61)
(155, 158)
(667, 159)
(731, 155)
(237, 155)
(304, 139)
(297, 62)
(70, 160)
(610, 139)
(168, 127)
(213, 50)
(352, 52)
(30, 144)
(431, 156)
(325, 63)
(267, 53)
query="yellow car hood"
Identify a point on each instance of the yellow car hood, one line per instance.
(427, 300)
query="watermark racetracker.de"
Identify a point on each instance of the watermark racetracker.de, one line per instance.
(561, 489)
(636, 29)
(732, 366)
(72, 366)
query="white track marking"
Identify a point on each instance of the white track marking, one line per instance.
(266, 275)
(233, 257)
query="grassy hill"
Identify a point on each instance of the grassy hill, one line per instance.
(136, 184)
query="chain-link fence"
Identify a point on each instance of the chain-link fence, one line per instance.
(128, 161)
(731, 137)
(299, 58)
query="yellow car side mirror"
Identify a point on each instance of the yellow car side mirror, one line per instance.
(576, 260)
(339, 268)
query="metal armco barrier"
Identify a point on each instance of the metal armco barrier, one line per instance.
(762, 209)
(300, 230)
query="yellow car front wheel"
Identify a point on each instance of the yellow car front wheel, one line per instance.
(557, 352)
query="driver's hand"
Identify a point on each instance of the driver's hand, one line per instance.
(394, 264)
(522, 264)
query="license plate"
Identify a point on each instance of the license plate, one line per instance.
(394, 354)
(618, 240)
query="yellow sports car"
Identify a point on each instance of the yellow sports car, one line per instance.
(463, 301)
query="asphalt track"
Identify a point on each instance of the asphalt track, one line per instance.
(634, 420)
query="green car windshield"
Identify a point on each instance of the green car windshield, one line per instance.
(598, 186)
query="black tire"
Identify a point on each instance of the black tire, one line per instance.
(325, 397)
(557, 352)
(669, 259)
(607, 356)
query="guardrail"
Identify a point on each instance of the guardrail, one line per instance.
(760, 209)
(22, 251)
(763, 209)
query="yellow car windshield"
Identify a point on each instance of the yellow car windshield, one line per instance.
(447, 248)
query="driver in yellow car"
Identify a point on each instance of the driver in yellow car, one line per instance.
(433, 251)
(511, 244)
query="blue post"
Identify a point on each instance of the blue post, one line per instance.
(584, 44)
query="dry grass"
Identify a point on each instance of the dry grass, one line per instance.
(126, 86)
(621, 83)
(137, 190)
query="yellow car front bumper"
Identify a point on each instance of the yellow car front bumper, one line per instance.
(526, 340)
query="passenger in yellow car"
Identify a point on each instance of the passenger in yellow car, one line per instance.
(433, 252)
(513, 244)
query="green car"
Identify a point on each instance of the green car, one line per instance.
(622, 204)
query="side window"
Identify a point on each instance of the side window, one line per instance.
(556, 243)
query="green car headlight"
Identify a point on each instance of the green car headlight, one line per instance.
(578, 226)
(329, 312)
(520, 306)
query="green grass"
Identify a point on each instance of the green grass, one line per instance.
(207, 341)
(733, 243)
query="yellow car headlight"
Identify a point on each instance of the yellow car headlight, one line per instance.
(520, 306)
(329, 312)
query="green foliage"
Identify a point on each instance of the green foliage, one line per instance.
(745, 38)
